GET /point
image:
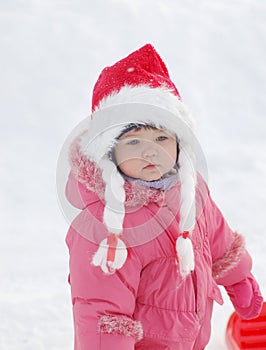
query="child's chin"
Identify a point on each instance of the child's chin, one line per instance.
(151, 178)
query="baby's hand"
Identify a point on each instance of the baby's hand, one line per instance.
(246, 297)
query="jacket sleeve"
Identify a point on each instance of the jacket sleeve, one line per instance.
(103, 305)
(231, 261)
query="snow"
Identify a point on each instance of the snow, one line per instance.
(51, 55)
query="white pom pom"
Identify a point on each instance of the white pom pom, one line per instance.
(185, 254)
(100, 258)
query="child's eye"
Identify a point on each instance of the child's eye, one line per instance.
(133, 142)
(161, 138)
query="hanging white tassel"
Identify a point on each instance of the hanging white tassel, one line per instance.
(114, 195)
(185, 254)
(188, 179)
(111, 254)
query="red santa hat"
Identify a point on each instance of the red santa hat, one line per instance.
(138, 89)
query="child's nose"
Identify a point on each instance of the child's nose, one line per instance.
(149, 151)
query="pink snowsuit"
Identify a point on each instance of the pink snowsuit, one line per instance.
(146, 305)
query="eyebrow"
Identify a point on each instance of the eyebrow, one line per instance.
(130, 133)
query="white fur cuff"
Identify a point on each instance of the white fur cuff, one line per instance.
(121, 325)
(231, 259)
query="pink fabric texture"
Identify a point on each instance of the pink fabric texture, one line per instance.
(147, 298)
(246, 298)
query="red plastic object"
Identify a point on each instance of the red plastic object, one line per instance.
(247, 334)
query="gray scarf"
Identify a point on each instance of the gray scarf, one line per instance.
(164, 183)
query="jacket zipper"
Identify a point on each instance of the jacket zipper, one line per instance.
(195, 286)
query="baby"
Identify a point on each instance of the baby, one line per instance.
(146, 153)
(150, 247)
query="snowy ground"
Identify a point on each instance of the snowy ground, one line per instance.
(51, 54)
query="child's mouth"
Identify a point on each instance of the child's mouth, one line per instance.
(150, 166)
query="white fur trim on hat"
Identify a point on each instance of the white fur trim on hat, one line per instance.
(161, 97)
(142, 104)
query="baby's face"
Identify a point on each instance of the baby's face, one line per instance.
(146, 153)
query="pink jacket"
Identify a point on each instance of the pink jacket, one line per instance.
(146, 305)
